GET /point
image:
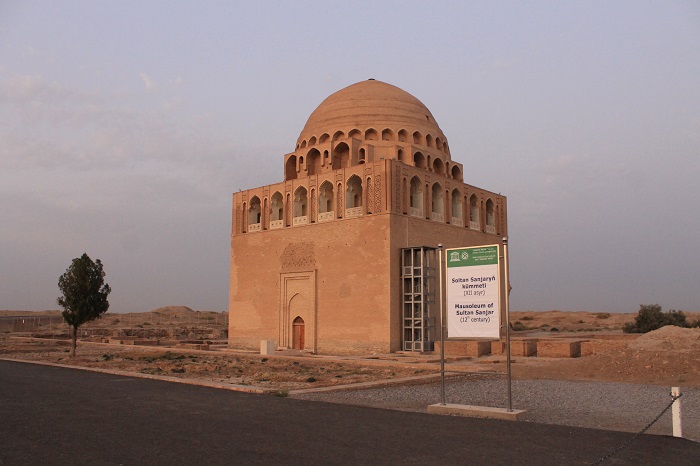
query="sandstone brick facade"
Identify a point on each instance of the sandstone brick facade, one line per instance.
(315, 259)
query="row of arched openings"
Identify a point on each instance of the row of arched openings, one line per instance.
(386, 134)
(340, 158)
(461, 206)
(328, 203)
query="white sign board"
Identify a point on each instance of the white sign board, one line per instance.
(473, 292)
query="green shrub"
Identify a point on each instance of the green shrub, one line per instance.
(528, 318)
(602, 315)
(651, 317)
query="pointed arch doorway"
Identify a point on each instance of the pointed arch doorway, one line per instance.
(298, 334)
(297, 315)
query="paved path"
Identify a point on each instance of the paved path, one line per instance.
(51, 415)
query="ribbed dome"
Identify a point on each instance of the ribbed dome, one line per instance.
(370, 104)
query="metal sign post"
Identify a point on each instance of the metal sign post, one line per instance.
(506, 303)
(442, 327)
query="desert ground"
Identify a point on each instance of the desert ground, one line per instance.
(178, 342)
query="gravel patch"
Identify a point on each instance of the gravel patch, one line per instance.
(602, 405)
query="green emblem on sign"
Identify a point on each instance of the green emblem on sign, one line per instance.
(485, 255)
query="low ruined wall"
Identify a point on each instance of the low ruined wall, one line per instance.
(465, 348)
(591, 347)
(559, 348)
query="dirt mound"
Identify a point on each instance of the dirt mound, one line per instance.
(668, 338)
(173, 310)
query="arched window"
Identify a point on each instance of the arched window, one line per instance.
(355, 133)
(276, 210)
(438, 143)
(371, 135)
(416, 199)
(474, 223)
(428, 140)
(341, 156)
(290, 168)
(312, 141)
(457, 208)
(338, 135)
(361, 156)
(324, 137)
(325, 202)
(490, 218)
(303, 143)
(254, 212)
(419, 160)
(456, 173)
(300, 205)
(403, 135)
(353, 192)
(400, 156)
(438, 203)
(417, 138)
(387, 135)
(438, 166)
(313, 162)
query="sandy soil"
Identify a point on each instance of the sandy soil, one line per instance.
(276, 372)
(668, 356)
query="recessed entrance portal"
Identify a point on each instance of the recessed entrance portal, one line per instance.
(298, 333)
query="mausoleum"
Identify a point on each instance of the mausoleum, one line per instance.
(339, 257)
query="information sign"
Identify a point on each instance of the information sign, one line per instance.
(473, 292)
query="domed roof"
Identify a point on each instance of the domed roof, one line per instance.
(370, 104)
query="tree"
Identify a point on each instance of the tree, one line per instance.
(651, 317)
(84, 294)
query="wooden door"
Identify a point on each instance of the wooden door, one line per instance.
(298, 333)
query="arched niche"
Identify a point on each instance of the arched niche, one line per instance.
(353, 192)
(313, 162)
(341, 156)
(416, 197)
(419, 160)
(290, 168)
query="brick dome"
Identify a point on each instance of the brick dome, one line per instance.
(370, 109)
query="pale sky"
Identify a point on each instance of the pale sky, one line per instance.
(125, 127)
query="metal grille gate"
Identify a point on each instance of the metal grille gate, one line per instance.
(419, 286)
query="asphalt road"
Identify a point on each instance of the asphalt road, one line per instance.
(51, 415)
